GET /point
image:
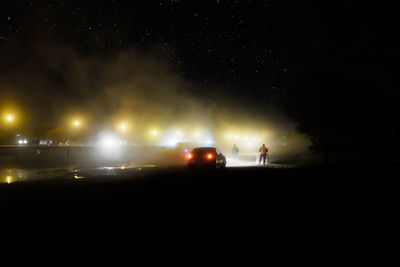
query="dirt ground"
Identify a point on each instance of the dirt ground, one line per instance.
(318, 215)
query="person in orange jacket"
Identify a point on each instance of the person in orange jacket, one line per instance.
(263, 154)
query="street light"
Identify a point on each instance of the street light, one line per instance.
(9, 118)
(76, 123)
(122, 127)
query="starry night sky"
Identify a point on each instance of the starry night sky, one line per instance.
(247, 48)
(298, 58)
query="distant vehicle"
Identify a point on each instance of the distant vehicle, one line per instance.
(206, 157)
(45, 142)
(40, 142)
(22, 141)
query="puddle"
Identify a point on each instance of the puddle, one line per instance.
(12, 175)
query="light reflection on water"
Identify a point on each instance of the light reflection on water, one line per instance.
(8, 176)
(12, 175)
(9, 179)
(111, 171)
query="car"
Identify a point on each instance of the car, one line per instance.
(206, 157)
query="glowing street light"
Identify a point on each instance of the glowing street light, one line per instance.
(9, 118)
(123, 126)
(76, 123)
(154, 132)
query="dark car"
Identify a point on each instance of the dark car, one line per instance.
(207, 157)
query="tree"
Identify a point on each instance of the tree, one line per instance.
(342, 97)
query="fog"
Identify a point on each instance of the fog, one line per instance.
(51, 84)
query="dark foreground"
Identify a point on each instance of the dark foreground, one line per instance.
(342, 215)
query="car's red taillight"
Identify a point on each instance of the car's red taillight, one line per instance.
(189, 156)
(210, 156)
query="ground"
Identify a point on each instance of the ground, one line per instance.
(314, 214)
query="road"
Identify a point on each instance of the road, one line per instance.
(314, 214)
(76, 171)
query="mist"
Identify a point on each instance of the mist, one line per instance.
(52, 83)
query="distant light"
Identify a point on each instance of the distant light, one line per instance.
(110, 141)
(122, 127)
(25, 141)
(153, 132)
(196, 134)
(172, 142)
(76, 123)
(209, 141)
(20, 142)
(9, 179)
(9, 118)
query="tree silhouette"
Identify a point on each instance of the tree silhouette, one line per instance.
(343, 95)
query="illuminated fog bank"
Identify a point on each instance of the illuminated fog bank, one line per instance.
(139, 97)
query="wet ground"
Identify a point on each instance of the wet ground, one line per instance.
(13, 175)
(76, 171)
(309, 215)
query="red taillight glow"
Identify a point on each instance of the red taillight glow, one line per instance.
(210, 156)
(189, 156)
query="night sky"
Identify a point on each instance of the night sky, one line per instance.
(316, 64)
(245, 47)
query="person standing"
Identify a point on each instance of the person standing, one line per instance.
(263, 154)
(235, 151)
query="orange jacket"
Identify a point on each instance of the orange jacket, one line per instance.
(263, 149)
